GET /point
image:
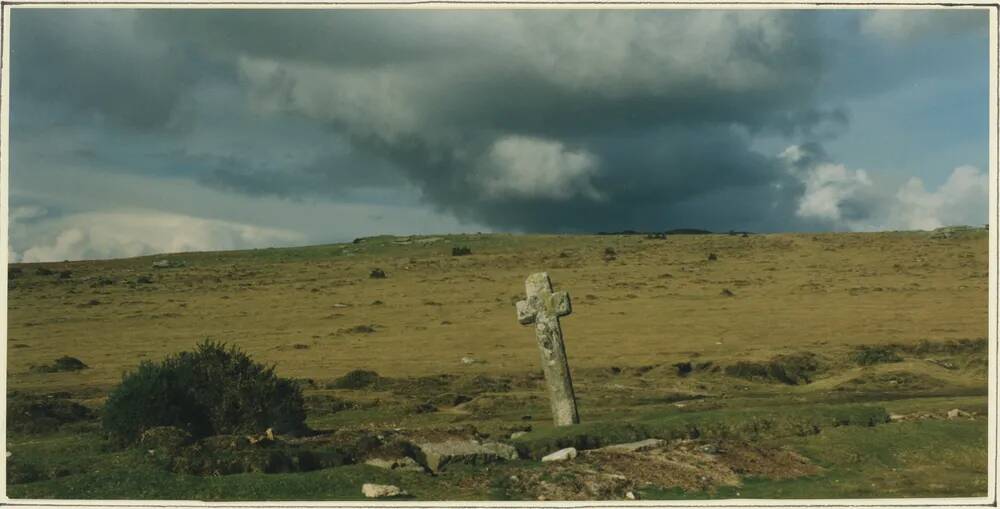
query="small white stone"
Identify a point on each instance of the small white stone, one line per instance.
(561, 455)
(517, 434)
(630, 495)
(381, 490)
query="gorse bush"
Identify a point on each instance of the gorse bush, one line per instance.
(211, 391)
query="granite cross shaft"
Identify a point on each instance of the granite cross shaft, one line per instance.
(543, 307)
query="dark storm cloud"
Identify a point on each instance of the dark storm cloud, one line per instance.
(330, 175)
(618, 123)
(92, 63)
(529, 120)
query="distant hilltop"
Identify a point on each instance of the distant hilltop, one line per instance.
(676, 231)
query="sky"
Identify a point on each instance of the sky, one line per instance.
(147, 131)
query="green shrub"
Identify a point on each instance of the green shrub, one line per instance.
(211, 391)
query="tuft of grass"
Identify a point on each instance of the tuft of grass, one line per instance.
(357, 379)
(750, 424)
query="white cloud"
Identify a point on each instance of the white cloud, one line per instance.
(830, 189)
(850, 199)
(525, 167)
(119, 234)
(961, 200)
(832, 192)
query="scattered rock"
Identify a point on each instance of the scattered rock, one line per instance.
(381, 490)
(561, 455)
(955, 413)
(143, 280)
(610, 254)
(712, 257)
(461, 251)
(517, 434)
(435, 456)
(709, 449)
(726, 292)
(377, 274)
(66, 274)
(470, 360)
(631, 495)
(683, 368)
(43, 271)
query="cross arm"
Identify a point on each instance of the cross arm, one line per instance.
(525, 313)
(559, 304)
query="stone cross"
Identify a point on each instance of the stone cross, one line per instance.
(543, 308)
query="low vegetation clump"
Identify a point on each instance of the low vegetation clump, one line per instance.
(461, 251)
(878, 354)
(951, 347)
(64, 363)
(377, 274)
(231, 454)
(794, 369)
(33, 413)
(212, 390)
(357, 379)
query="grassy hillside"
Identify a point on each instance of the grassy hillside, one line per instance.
(747, 348)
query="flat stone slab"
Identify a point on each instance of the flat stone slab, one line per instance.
(642, 445)
(561, 455)
(437, 455)
(404, 463)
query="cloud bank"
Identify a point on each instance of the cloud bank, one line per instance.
(529, 121)
(136, 233)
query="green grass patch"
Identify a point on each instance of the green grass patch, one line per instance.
(750, 424)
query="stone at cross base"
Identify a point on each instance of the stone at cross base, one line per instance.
(543, 307)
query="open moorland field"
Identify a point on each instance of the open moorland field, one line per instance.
(784, 366)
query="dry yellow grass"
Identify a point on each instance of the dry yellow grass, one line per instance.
(659, 300)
